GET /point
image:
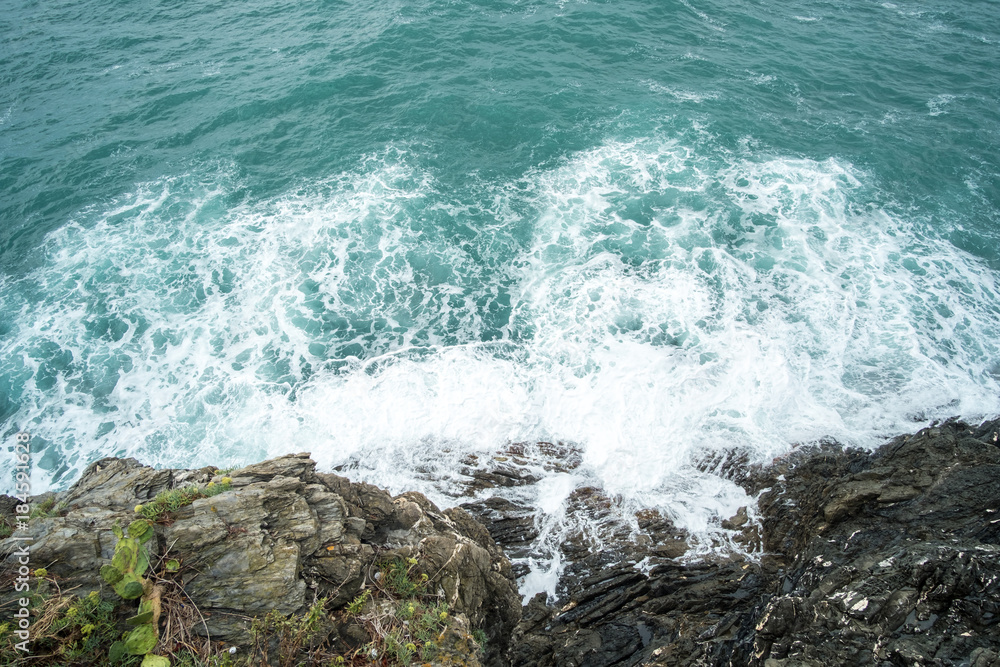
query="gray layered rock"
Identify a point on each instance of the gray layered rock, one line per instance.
(281, 537)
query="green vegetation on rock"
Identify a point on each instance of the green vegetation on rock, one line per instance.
(172, 500)
(71, 630)
(125, 574)
(47, 508)
(404, 622)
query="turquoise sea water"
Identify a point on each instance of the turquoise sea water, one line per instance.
(394, 234)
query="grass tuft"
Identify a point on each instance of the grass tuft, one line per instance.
(46, 509)
(166, 502)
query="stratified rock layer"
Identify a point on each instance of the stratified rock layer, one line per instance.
(280, 538)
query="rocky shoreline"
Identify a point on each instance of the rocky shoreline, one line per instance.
(890, 557)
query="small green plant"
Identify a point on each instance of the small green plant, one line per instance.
(92, 618)
(405, 631)
(480, 637)
(405, 623)
(357, 604)
(396, 575)
(46, 508)
(220, 658)
(291, 632)
(172, 500)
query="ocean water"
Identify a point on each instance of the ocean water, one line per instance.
(397, 234)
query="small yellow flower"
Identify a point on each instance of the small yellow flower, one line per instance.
(423, 577)
(211, 484)
(443, 616)
(226, 480)
(93, 595)
(87, 629)
(411, 647)
(138, 508)
(72, 611)
(41, 572)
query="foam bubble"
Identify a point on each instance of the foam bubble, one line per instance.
(937, 104)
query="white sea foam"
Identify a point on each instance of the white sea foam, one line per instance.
(760, 79)
(708, 20)
(681, 95)
(666, 305)
(937, 104)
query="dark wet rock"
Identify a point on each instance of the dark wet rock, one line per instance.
(518, 465)
(598, 531)
(510, 524)
(889, 557)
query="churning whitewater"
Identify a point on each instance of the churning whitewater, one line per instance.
(633, 245)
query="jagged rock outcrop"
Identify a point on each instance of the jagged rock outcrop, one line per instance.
(889, 557)
(281, 537)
